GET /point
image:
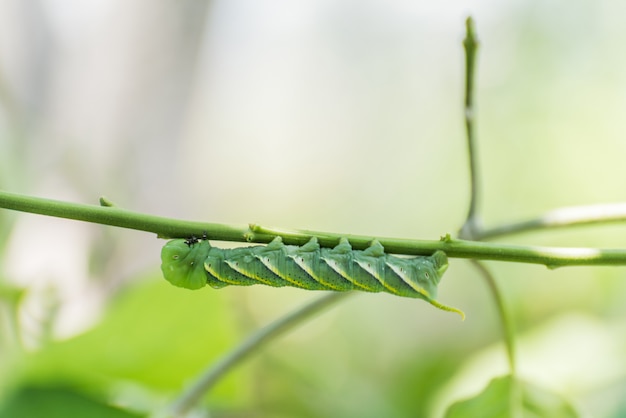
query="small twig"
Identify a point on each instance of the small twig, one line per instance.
(507, 324)
(561, 218)
(470, 43)
(107, 214)
(256, 341)
(472, 228)
(106, 202)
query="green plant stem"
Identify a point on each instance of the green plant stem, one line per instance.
(251, 345)
(107, 214)
(174, 228)
(472, 228)
(470, 44)
(552, 257)
(560, 218)
(505, 319)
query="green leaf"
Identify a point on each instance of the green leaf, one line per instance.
(154, 335)
(56, 402)
(507, 396)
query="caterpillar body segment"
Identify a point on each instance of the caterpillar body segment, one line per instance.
(249, 266)
(278, 258)
(341, 261)
(220, 270)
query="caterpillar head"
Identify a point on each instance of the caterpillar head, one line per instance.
(440, 261)
(182, 263)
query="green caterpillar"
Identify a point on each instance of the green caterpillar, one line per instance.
(194, 263)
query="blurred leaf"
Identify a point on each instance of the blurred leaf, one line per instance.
(10, 293)
(55, 402)
(414, 382)
(509, 397)
(155, 335)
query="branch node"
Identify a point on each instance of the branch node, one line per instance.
(105, 202)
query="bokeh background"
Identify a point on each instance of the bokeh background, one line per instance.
(341, 116)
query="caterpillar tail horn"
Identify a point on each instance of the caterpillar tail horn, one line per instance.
(446, 308)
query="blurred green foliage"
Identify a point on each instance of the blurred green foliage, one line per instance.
(57, 402)
(153, 337)
(509, 397)
(339, 116)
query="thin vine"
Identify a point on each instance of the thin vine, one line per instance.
(508, 330)
(163, 227)
(560, 218)
(470, 44)
(472, 228)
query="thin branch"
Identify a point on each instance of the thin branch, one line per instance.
(470, 44)
(252, 345)
(551, 257)
(472, 228)
(108, 214)
(165, 227)
(561, 218)
(505, 320)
